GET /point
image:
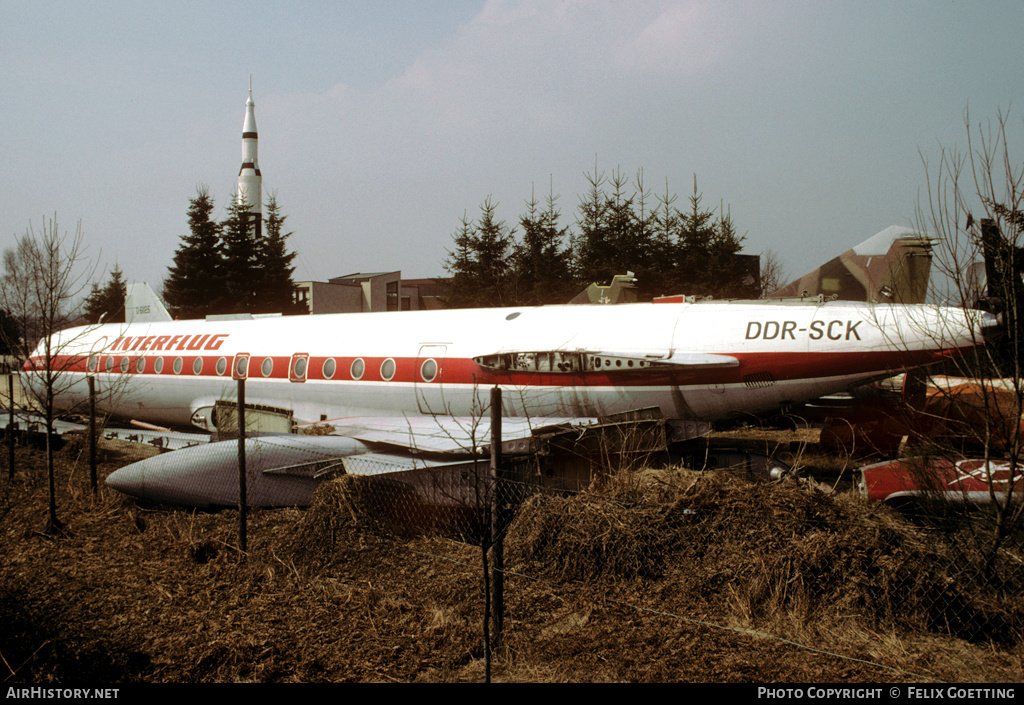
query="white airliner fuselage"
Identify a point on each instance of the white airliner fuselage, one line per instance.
(406, 392)
(706, 361)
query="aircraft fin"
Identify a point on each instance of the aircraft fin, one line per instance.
(142, 305)
(621, 290)
(892, 266)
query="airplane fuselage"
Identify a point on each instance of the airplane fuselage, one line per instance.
(705, 361)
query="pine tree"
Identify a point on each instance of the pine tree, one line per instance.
(239, 265)
(727, 271)
(618, 234)
(696, 231)
(460, 264)
(10, 334)
(195, 283)
(543, 273)
(665, 224)
(706, 249)
(107, 303)
(481, 265)
(241, 246)
(277, 290)
(669, 251)
(593, 250)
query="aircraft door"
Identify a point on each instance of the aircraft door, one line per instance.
(429, 379)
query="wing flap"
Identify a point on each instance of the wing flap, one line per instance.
(456, 435)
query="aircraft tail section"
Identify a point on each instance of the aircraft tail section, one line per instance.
(892, 266)
(142, 305)
(621, 290)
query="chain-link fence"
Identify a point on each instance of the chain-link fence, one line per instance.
(648, 573)
(713, 554)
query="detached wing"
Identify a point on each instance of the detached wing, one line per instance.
(285, 470)
(450, 435)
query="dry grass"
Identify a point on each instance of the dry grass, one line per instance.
(625, 585)
(776, 558)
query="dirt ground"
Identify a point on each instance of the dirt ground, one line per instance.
(606, 588)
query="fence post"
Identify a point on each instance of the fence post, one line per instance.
(92, 432)
(10, 422)
(497, 518)
(242, 495)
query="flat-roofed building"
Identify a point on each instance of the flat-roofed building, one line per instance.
(363, 292)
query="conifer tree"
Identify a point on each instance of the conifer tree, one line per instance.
(594, 253)
(696, 231)
(277, 290)
(195, 283)
(542, 260)
(618, 234)
(668, 251)
(665, 224)
(241, 248)
(239, 265)
(107, 303)
(481, 265)
(729, 275)
(705, 249)
(10, 334)
(460, 264)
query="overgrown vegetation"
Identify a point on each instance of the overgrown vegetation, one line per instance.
(975, 207)
(44, 275)
(661, 575)
(793, 560)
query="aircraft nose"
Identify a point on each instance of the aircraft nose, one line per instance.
(128, 480)
(281, 471)
(201, 476)
(158, 480)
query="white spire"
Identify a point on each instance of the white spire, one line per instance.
(250, 182)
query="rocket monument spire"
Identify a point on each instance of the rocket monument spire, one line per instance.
(250, 182)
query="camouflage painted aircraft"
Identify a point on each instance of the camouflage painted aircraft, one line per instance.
(890, 267)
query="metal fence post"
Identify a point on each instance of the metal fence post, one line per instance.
(497, 518)
(10, 423)
(92, 432)
(242, 494)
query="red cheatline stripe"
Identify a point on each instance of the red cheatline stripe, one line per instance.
(781, 366)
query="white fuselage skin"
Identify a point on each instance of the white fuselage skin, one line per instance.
(330, 367)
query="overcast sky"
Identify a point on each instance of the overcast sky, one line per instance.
(381, 123)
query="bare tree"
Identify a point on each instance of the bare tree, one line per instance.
(975, 207)
(45, 274)
(773, 275)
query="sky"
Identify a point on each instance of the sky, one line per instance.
(381, 124)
